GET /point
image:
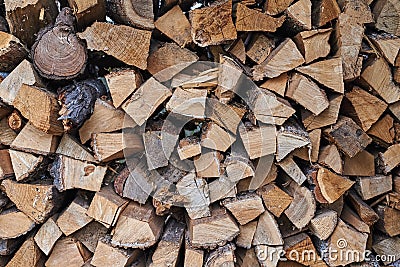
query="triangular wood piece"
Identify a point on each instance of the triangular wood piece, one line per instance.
(327, 72)
(329, 156)
(389, 45)
(290, 137)
(121, 84)
(323, 224)
(267, 231)
(252, 20)
(70, 147)
(300, 14)
(332, 186)
(325, 11)
(277, 6)
(24, 164)
(383, 130)
(290, 167)
(277, 84)
(313, 44)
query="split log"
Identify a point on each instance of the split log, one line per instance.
(378, 76)
(238, 50)
(122, 83)
(327, 117)
(267, 231)
(213, 231)
(275, 7)
(28, 255)
(37, 201)
(283, 58)
(7, 135)
(247, 231)
(229, 77)
(326, 72)
(222, 256)
(290, 167)
(24, 164)
(100, 35)
(70, 173)
(26, 19)
(196, 198)
(366, 213)
(205, 20)
(252, 20)
(189, 147)
(277, 84)
(145, 100)
(193, 257)
(24, 73)
(244, 208)
(387, 16)
(175, 26)
(15, 224)
(12, 51)
(47, 235)
(87, 12)
(106, 197)
(74, 217)
(221, 188)
(323, 224)
(388, 246)
(261, 176)
(167, 251)
(348, 136)
(238, 168)
(208, 164)
(307, 41)
(369, 187)
(40, 107)
(135, 217)
(332, 186)
(152, 143)
(258, 141)
(307, 93)
(325, 11)
(6, 167)
(351, 218)
(388, 45)
(57, 52)
(71, 148)
(299, 15)
(260, 47)
(330, 157)
(103, 112)
(133, 13)
(389, 158)
(188, 102)
(15, 121)
(214, 137)
(389, 220)
(246, 257)
(382, 130)
(301, 244)
(226, 116)
(275, 199)
(268, 255)
(66, 250)
(362, 164)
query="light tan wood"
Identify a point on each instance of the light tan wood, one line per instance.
(12, 51)
(302, 244)
(208, 164)
(326, 11)
(107, 255)
(193, 257)
(248, 19)
(194, 192)
(47, 235)
(213, 231)
(329, 156)
(74, 217)
(369, 187)
(290, 167)
(145, 100)
(277, 84)
(99, 36)
(246, 257)
(205, 20)
(226, 116)
(310, 153)
(222, 188)
(238, 50)
(7, 135)
(133, 13)
(28, 255)
(389, 220)
(222, 256)
(275, 7)
(366, 213)
(258, 141)
(238, 168)
(167, 251)
(71, 147)
(378, 76)
(247, 231)
(40, 107)
(388, 246)
(188, 102)
(106, 206)
(382, 130)
(32, 140)
(386, 16)
(260, 47)
(175, 25)
(88, 11)
(388, 45)
(355, 141)
(24, 73)
(299, 15)
(90, 234)
(362, 164)
(215, 137)
(15, 121)
(35, 200)
(263, 252)
(307, 93)
(308, 41)
(15, 224)
(332, 186)
(261, 176)
(138, 226)
(244, 208)
(283, 58)
(275, 199)
(65, 250)
(229, 75)
(267, 231)
(122, 83)
(357, 9)
(389, 158)
(70, 173)
(346, 238)
(351, 218)
(6, 167)
(326, 72)
(327, 117)
(103, 112)
(24, 164)
(323, 224)
(189, 147)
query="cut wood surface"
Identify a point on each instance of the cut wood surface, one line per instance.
(306, 41)
(24, 164)
(244, 208)
(275, 199)
(323, 224)
(15, 224)
(267, 231)
(74, 217)
(134, 13)
(299, 14)
(122, 84)
(251, 20)
(260, 48)
(87, 12)
(12, 51)
(325, 11)
(47, 235)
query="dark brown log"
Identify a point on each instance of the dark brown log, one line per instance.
(12, 51)
(132, 12)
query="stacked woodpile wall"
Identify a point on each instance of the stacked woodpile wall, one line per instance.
(211, 133)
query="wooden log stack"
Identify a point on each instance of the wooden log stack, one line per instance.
(211, 133)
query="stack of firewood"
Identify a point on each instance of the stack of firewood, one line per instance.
(212, 133)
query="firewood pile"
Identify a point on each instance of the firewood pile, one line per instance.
(212, 133)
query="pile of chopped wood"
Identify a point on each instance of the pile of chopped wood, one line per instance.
(212, 133)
